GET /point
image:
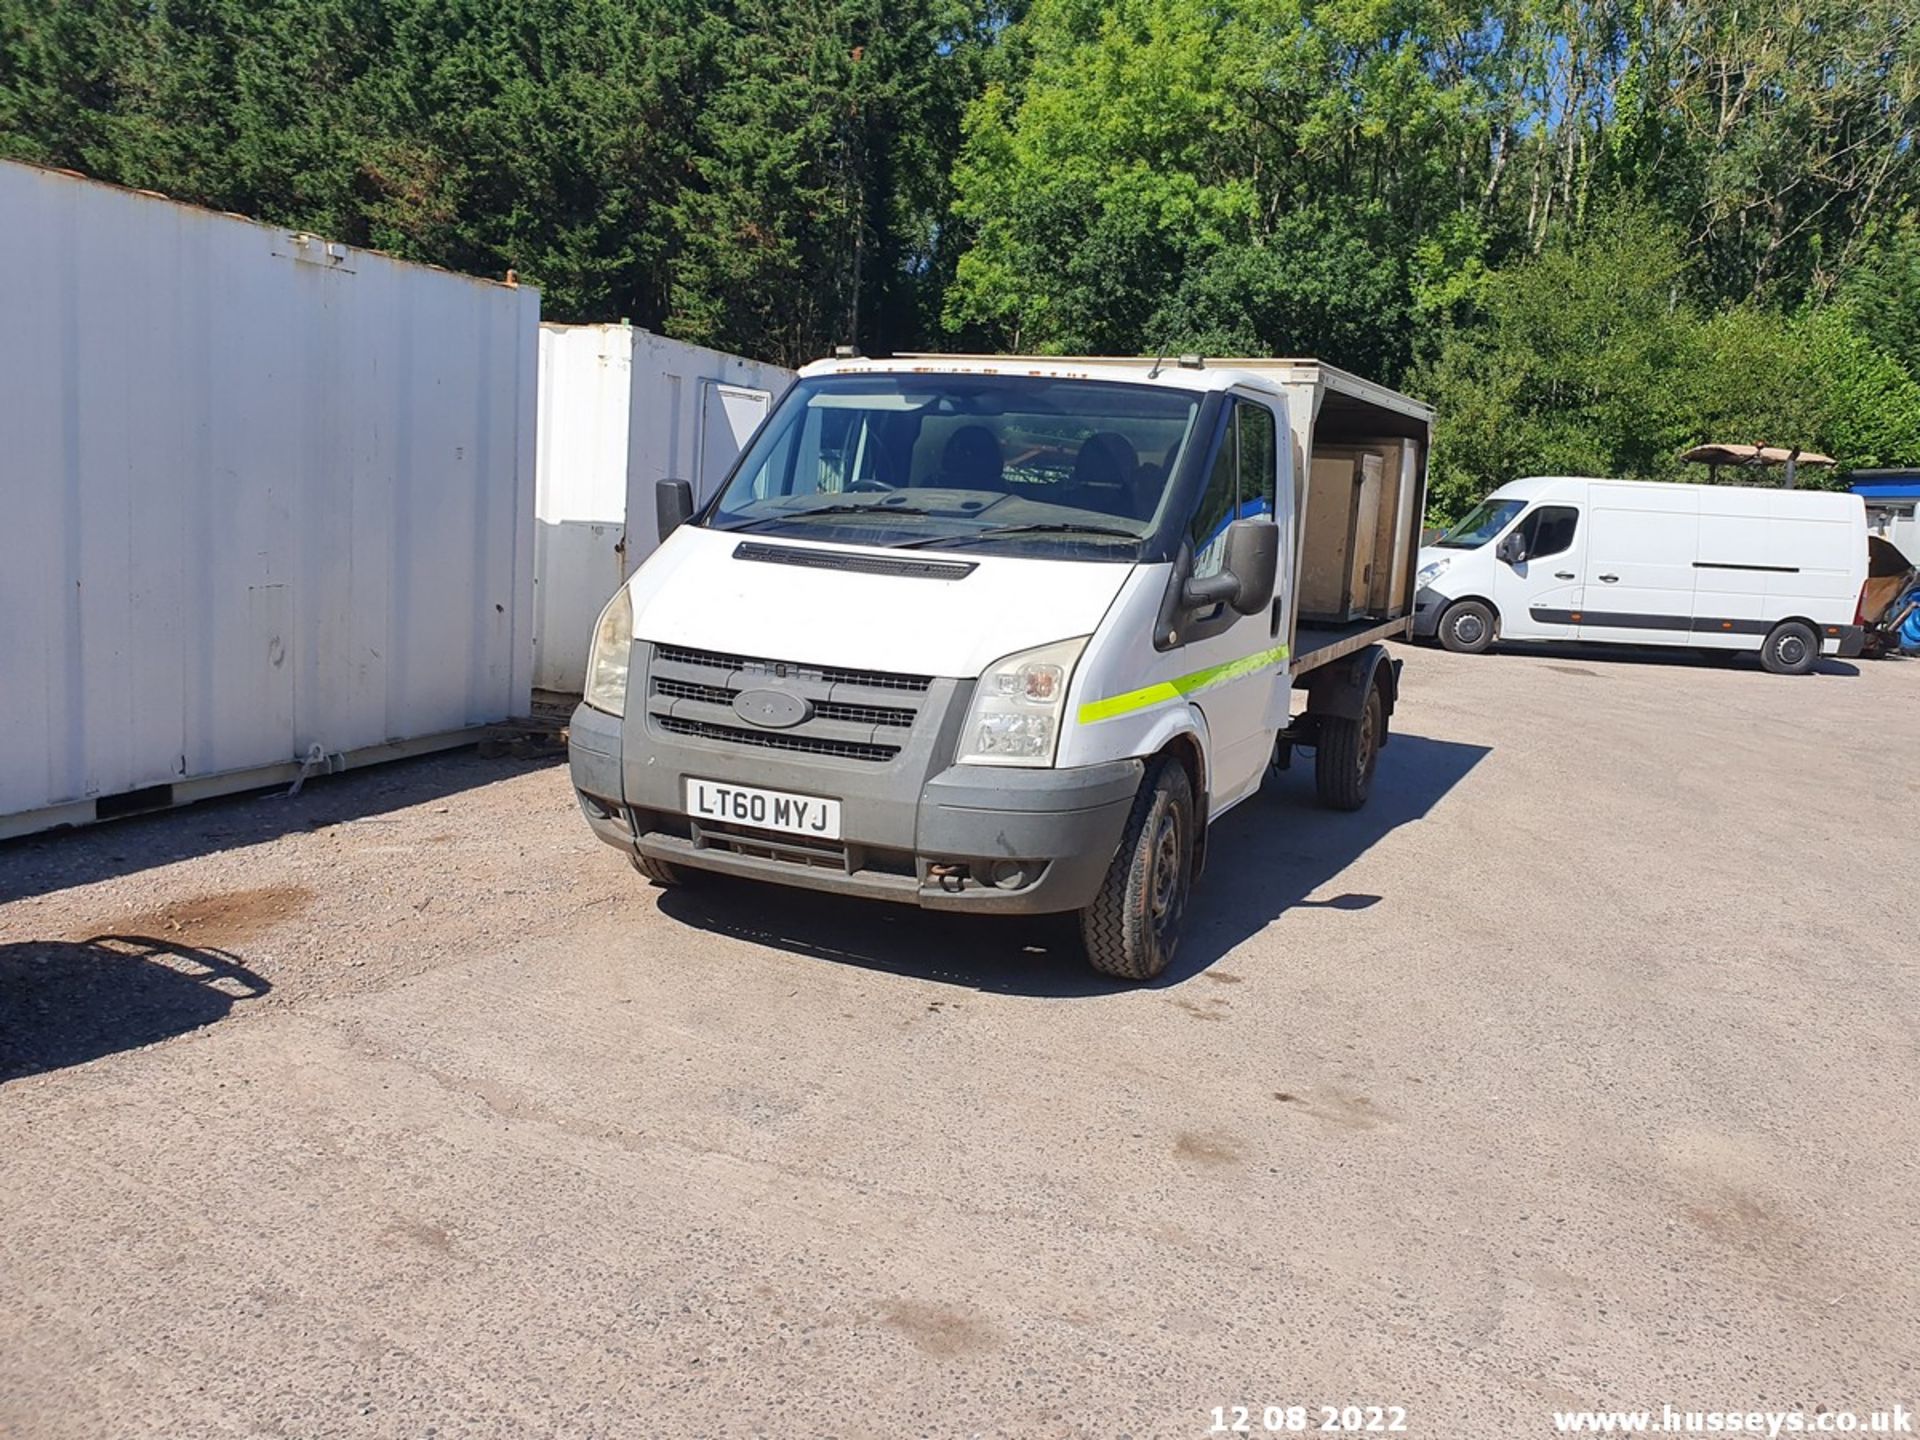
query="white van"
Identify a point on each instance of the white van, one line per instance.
(1710, 567)
(1008, 634)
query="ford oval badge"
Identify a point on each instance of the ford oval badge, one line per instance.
(772, 709)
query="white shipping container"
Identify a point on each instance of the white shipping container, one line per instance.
(621, 409)
(264, 500)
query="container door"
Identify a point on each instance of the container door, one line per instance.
(1538, 595)
(729, 414)
(1641, 548)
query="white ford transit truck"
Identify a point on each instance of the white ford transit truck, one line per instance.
(1008, 634)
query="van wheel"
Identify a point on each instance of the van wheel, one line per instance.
(1791, 649)
(1348, 752)
(1466, 628)
(662, 873)
(1131, 928)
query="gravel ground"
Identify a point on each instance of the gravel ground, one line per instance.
(1577, 1071)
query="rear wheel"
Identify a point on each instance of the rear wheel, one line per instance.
(662, 873)
(1791, 649)
(1348, 751)
(1466, 627)
(1133, 925)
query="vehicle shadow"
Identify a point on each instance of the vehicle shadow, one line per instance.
(60, 859)
(64, 1002)
(1610, 655)
(1273, 853)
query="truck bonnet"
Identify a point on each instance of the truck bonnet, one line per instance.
(921, 612)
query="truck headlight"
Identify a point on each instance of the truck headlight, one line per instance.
(1018, 705)
(607, 659)
(1431, 571)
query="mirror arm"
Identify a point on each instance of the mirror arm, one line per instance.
(1214, 590)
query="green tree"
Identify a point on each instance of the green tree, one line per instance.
(1881, 294)
(822, 169)
(1175, 173)
(1590, 359)
(1577, 368)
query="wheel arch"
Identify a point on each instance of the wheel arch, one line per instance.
(1486, 600)
(1186, 749)
(1341, 688)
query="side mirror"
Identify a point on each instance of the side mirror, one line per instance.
(1248, 570)
(1513, 549)
(672, 505)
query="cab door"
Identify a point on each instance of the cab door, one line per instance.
(1539, 574)
(1229, 661)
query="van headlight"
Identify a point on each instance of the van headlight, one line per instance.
(1018, 705)
(607, 659)
(1431, 571)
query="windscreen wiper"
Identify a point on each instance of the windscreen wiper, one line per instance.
(786, 515)
(1046, 527)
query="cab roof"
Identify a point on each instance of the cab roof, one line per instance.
(1186, 372)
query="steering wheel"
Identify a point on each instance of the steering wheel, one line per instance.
(869, 482)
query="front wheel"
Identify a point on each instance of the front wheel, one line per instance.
(1133, 925)
(1343, 765)
(1466, 627)
(1791, 649)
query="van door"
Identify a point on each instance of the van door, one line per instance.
(1538, 593)
(1230, 662)
(1739, 554)
(1641, 546)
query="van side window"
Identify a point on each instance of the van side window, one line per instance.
(1240, 486)
(1549, 530)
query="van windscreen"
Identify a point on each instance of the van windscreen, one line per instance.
(1485, 521)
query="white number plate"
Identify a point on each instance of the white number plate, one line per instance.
(764, 809)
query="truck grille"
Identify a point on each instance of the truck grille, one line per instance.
(862, 715)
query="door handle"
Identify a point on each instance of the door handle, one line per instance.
(1609, 578)
(1563, 575)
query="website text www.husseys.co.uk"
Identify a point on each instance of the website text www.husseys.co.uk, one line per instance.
(1772, 1423)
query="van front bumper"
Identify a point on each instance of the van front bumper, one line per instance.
(968, 837)
(1427, 607)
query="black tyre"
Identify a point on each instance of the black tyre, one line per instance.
(1466, 627)
(1791, 649)
(1349, 750)
(662, 873)
(1133, 925)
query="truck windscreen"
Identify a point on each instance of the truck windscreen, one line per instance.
(1023, 464)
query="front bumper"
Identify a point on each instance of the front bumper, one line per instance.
(1427, 609)
(967, 837)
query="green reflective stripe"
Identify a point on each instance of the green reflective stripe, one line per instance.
(1160, 694)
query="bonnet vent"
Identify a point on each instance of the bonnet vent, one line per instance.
(860, 564)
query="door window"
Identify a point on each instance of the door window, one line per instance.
(1549, 530)
(1240, 486)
